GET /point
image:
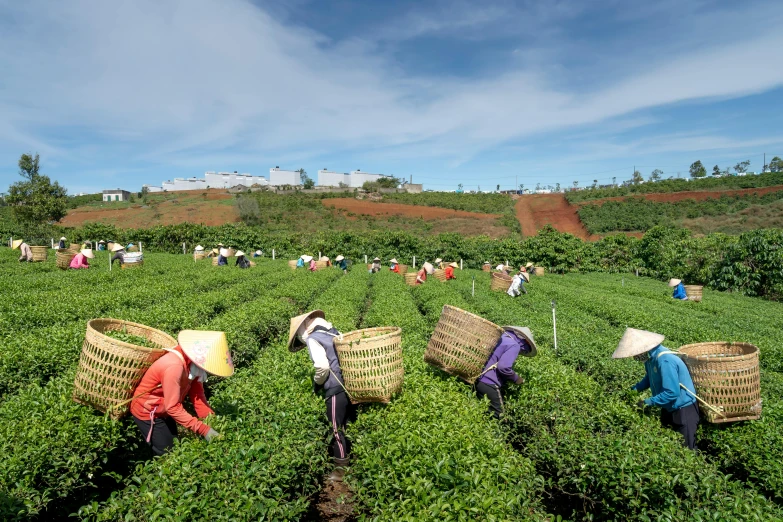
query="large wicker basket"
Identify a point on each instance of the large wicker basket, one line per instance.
(403, 269)
(215, 261)
(110, 369)
(410, 278)
(130, 266)
(75, 247)
(231, 252)
(726, 376)
(694, 292)
(538, 271)
(440, 275)
(134, 248)
(39, 253)
(199, 255)
(371, 363)
(462, 343)
(320, 265)
(500, 282)
(64, 258)
(292, 264)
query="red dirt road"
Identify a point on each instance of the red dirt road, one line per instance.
(535, 211)
(397, 209)
(697, 195)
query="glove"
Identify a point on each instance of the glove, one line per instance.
(519, 380)
(641, 405)
(211, 434)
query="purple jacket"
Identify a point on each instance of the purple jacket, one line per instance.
(506, 352)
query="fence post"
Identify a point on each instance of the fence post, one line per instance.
(183, 249)
(554, 322)
(141, 249)
(414, 261)
(52, 243)
(474, 287)
(460, 264)
(365, 259)
(273, 254)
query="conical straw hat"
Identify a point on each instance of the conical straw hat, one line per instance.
(674, 282)
(199, 248)
(239, 253)
(525, 276)
(16, 243)
(455, 265)
(63, 238)
(324, 258)
(307, 259)
(87, 252)
(377, 259)
(439, 260)
(428, 268)
(294, 344)
(224, 252)
(117, 247)
(528, 264)
(525, 333)
(393, 260)
(635, 342)
(207, 350)
(487, 262)
(339, 258)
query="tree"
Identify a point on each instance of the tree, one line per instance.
(538, 187)
(656, 175)
(697, 170)
(37, 199)
(637, 177)
(742, 166)
(522, 187)
(576, 184)
(557, 187)
(497, 189)
(307, 181)
(595, 183)
(716, 170)
(614, 180)
(776, 164)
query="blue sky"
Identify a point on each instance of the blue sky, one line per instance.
(117, 94)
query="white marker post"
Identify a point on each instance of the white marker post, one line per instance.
(273, 254)
(460, 264)
(365, 259)
(183, 249)
(52, 243)
(141, 249)
(554, 322)
(474, 286)
(319, 255)
(414, 261)
(109, 261)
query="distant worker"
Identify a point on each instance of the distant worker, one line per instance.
(342, 263)
(258, 253)
(376, 265)
(667, 377)
(119, 253)
(328, 261)
(438, 263)
(394, 265)
(26, 251)
(313, 331)
(679, 289)
(450, 271)
(499, 369)
(223, 257)
(157, 401)
(80, 259)
(487, 266)
(213, 253)
(313, 266)
(517, 286)
(421, 276)
(242, 261)
(61, 244)
(101, 245)
(300, 263)
(198, 250)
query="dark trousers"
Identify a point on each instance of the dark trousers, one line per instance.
(163, 433)
(494, 395)
(339, 412)
(684, 421)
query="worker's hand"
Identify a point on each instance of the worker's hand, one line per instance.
(211, 434)
(641, 405)
(519, 380)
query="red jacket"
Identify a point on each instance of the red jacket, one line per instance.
(421, 276)
(172, 372)
(450, 272)
(396, 269)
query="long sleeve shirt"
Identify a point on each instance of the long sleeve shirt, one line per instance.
(312, 265)
(243, 262)
(395, 268)
(300, 263)
(61, 244)
(450, 273)
(664, 372)
(679, 292)
(320, 362)
(506, 352)
(172, 373)
(421, 277)
(343, 264)
(79, 261)
(222, 260)
(27, 252)
(117, 257)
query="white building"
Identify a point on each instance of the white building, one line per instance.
(354, 179)
(116, 195)
(232, 179)
(152, 188)
(278, 177)
(184, 184)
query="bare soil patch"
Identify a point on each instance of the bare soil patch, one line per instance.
(535, 211)
(697, 195)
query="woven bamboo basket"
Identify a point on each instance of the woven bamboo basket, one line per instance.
(292, 264)
(403, 269)
(726, 376)
(371, 363)
(538, 271)
(130, 266)
(439, 274)
(500, 282)
(694, 292)
(215, 261)
(39, 253)
(231, 252)
(462, 343)
(134, 248)
(64, 258)
(199, 255)
(320, 265)
(110, 369)
(75, 247)
(410, 278)
(486, 268)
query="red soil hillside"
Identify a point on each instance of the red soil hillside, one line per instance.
(538, 210)
(697, 195)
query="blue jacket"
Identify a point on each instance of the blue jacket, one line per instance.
(665, 371)
(679, 292)
(300, 263)
(343, 264)
(222, 260)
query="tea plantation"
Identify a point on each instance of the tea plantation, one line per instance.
(571, 447)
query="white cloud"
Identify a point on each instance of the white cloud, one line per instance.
(195, 82)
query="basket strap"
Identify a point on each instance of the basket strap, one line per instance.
(711, 407)
(123, 403)
(341, 384)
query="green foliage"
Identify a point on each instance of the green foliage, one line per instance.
(484, 203)
(638, 213)
(36, 199)
(768, 179)
(697, 170)
(87, 199)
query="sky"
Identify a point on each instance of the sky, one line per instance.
(124, 93)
